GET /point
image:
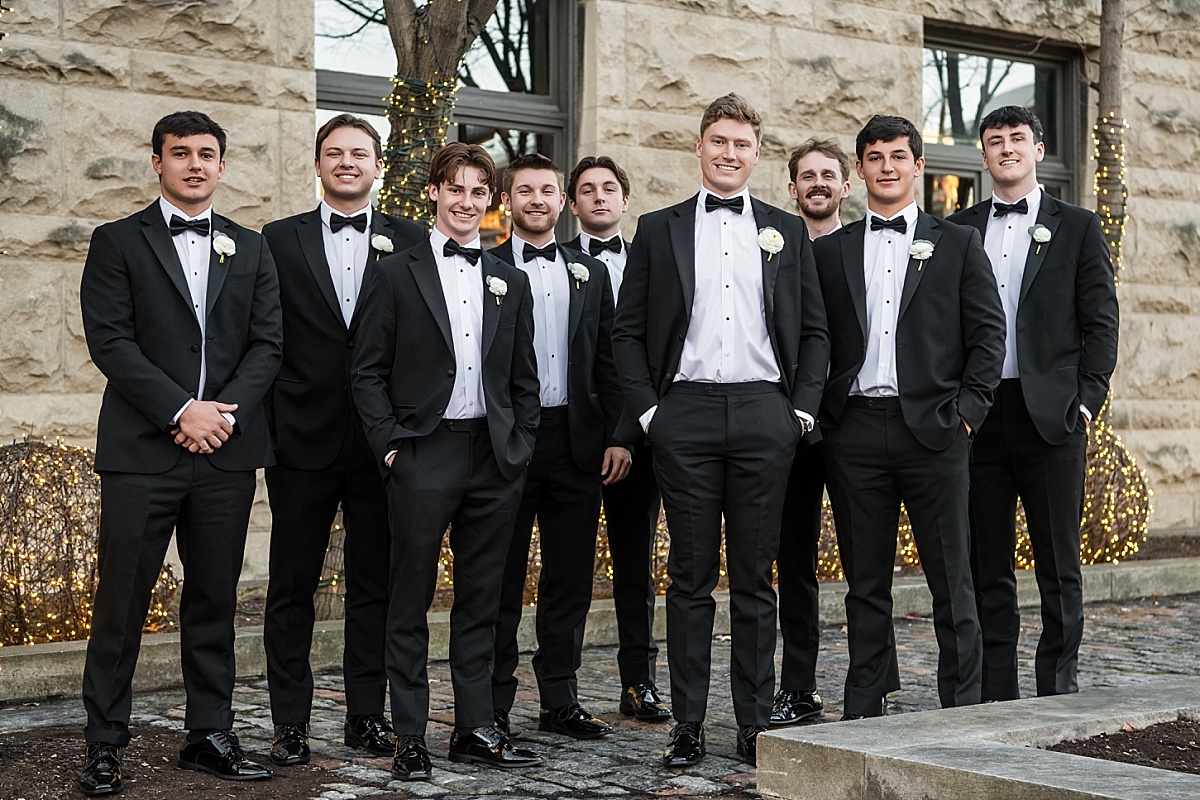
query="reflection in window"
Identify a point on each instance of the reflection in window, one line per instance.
(961, 88)
(512, 52)
(948, 192)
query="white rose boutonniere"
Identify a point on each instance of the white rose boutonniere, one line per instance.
(921, 250)
(223, 246)
(497, 287)
(771, 241)
(579, 272)
(1040, 234)
(382, 244)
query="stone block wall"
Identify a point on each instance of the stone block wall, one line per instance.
(823, 67)
(82, 83)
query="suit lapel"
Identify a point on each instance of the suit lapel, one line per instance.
(217, 268)
(312, 245)
(763, 218)
(425, 275)
(578, 295)
(682, 228)
(853, 262)
(926, 229)
(159, 238)
(1048, 218)
(492, 267)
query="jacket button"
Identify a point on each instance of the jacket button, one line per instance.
(350, 343)
(195, 348)
(449, 373)
(681, 337)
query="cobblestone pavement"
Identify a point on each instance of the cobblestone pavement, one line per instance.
(1124, 644)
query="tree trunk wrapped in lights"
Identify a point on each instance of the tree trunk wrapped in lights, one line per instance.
(49, 523)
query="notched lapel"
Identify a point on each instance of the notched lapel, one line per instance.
(682, 228)
(854, 263)
(926, 229)
(159, 237)
(765, 218)
(379, 227)
(491, 309)
(312, 244)
(1047, 216)
(578, 295)
(216, 269)
(425, 274)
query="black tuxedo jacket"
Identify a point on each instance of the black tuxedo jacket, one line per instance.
(143, 335)
(655, 306)
(594, 399)
(1067, 318)
(403, 368)
(309, 405)
(949, 332)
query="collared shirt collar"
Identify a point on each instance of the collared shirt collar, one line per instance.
(327, 210)
(168, 210)
(744, 194)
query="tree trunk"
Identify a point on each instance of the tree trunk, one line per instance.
(1110, 128)
(429, 41)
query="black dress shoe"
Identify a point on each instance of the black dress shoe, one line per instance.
(487, 745)
(102, 771)
(290, 745)
(792, 707)
(573, 721)
(504, 722)
(747, 742)
(370, 732)
(882, 712)
(686, 746)
(220, 754)
(411, 762)
(641, 701)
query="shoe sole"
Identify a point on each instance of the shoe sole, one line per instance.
(290, 761)
(644, 716)
(423, 775)
(546, 727)
(820, 712)
(101, 792)
(466, 758)
(691, 762)
(201, 768)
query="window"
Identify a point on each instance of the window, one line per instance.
(962, 84)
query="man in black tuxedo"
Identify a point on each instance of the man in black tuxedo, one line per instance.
(917, 338)
(598, 191)
(322, 457)
(576, 448)
(181, 313)
(1056, 283)
(721, 339)
(445, 381)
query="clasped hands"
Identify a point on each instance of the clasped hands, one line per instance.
(202, 426)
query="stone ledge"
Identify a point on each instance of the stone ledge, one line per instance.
(35, 672)
(980, 752)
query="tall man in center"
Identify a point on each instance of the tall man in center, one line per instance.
(576, 448)
(722, 346)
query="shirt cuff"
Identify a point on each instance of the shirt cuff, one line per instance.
(229, 418)
(388, 458)
(806, 419)
(644, 419)
(1086, 413)
(182, 408)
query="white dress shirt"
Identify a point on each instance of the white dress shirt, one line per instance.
(462, 286)
(614, 261)
(1007, 245)
(885, 265)
(551, 287)
(346, 254)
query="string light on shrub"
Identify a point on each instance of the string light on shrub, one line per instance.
(419, 114)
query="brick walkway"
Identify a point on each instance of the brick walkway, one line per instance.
(1125, 644)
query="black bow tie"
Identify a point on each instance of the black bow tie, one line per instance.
(1000, 209)
(898, 224)
(734, 204)
(179, 225)
(549, 252)
(358, 222)
(453, 248)
(598, 246)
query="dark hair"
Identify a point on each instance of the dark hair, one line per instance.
(883, 128)
(450, 158)
(826, 147)
(1011, 117)
(348, 121)
(597, 162)
(529, 161)
(731, 106)
(182, 124)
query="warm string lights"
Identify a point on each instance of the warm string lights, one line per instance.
(1108, 148)
(49, 518)
(419, 114)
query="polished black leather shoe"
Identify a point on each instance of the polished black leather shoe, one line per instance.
(747, 742)
(290, 745)
(792, 707)
(503, 720)
(487, 745)
(102, 771)
(370, 732)
(220, 754)
(641, 701)
(411, 761)
(573, 721)
(686, 746)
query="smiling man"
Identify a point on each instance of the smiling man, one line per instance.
(722, 348)
(323, 461)
(917, 340)
(1055, 278)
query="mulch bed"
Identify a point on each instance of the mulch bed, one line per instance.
(1167, 745)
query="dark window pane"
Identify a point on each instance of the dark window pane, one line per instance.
(948, 192)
